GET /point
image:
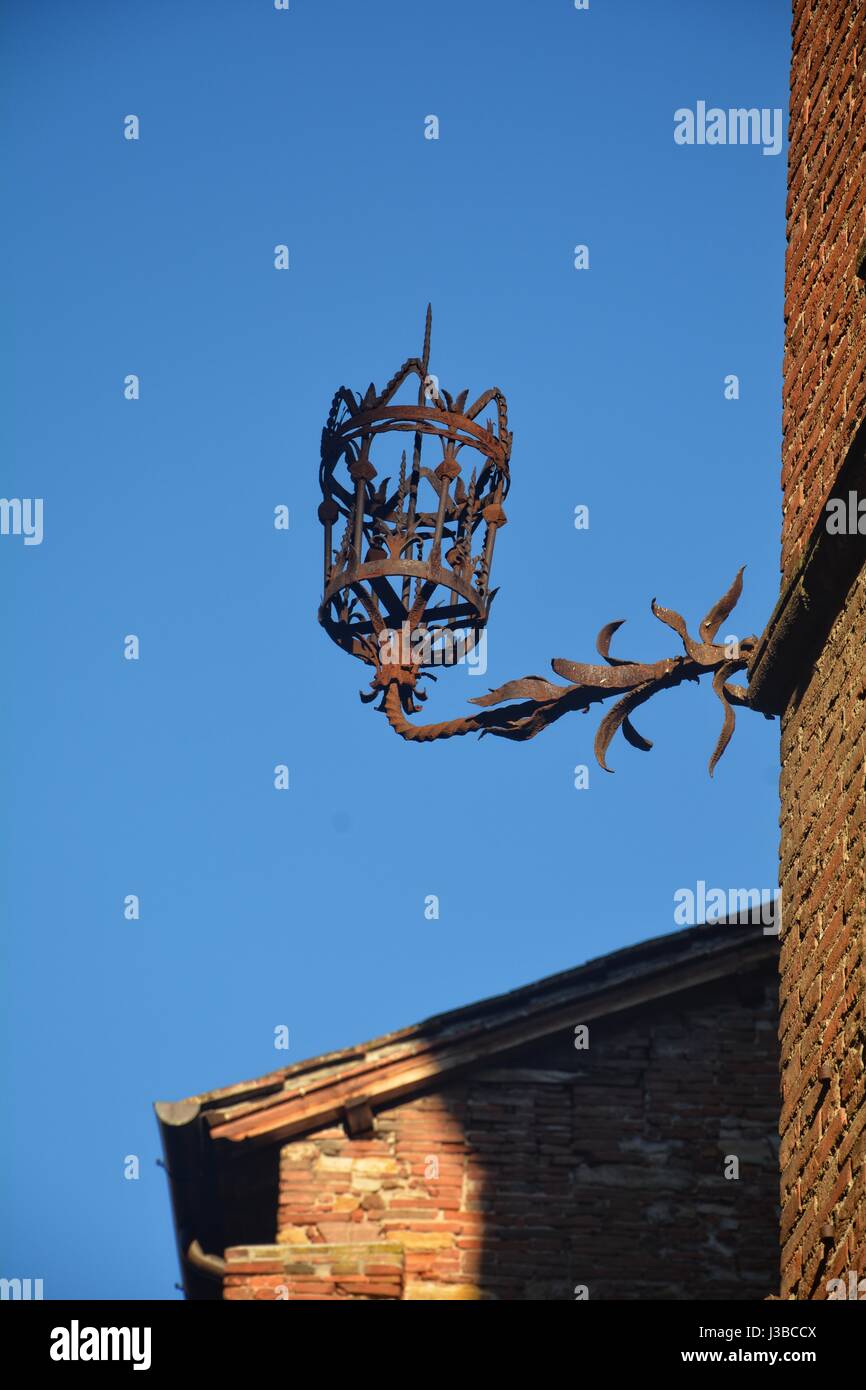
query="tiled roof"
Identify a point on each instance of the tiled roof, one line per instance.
(322, 1089)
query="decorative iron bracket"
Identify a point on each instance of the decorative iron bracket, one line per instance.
(542, 702)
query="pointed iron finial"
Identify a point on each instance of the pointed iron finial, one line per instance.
(425, 355)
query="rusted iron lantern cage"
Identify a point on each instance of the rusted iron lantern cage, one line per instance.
(408, 556)
(409, 544)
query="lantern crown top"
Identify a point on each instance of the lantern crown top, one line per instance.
(411, 549)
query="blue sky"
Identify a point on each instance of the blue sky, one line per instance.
(155, 257)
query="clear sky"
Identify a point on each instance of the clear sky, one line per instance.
(155, 777)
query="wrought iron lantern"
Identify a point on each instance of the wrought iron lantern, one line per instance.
(408, 561)
(412, 565)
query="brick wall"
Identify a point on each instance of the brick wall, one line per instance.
(562, 1167)
(825, 363)
(823, 802)
(319, 1272)
(823, 989)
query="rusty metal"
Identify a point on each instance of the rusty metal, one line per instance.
(382, 577)
(388, 569)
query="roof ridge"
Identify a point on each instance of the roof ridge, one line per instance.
(713, 937)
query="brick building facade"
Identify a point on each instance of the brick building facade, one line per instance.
(489, 1153)
(810, 666)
